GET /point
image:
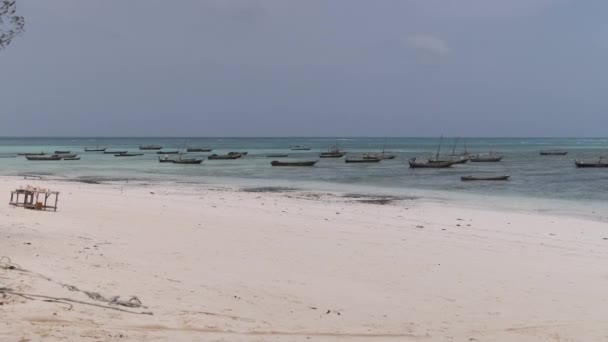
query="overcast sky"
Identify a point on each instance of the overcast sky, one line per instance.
(307, 68)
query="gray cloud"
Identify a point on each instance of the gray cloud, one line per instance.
(428, 45)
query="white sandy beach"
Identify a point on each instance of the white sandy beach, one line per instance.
(223, 265)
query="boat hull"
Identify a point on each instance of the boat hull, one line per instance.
(332, 155)
(485, 160)
(436, 165)
(494, 178)
(225, 157)
(128, 155)
(44, 158)
(293, 164)
(457, 161)
(583, 164)
(198, 150)
(553, 153)
(188, 161)
(362, 161)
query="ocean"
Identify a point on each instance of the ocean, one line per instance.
(532, 175)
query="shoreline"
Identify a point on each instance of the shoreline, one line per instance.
(594, 210)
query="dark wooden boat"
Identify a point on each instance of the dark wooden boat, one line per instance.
(426, 165)
(294, 163)
(115, 152)
(363, 160)
(150, 147)
(63, 152)
(128, 154)
(332, 154)
(189, 161)
(602, 162)
(381, 156)
(432, 163)
(165, 159)
(72, 158)
(277, 156)
(95, 149)
(490, 158)
(299, 148)
(43, 157)
(553, 153)
(32, 154)
(196, 149)
(461, 160)
(67, 156)
(482, 178)
(229, 156)
(168, 152)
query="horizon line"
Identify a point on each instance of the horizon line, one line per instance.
(293, 137)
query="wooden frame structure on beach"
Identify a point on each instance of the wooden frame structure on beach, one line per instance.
(31, 199)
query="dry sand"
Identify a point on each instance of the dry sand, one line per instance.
(225, 265)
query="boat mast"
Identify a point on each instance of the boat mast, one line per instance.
(454, 148)
(383, 147)
(439, 148)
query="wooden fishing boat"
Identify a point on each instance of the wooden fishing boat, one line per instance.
(189, 161)
(601, 162)
(63, 152)
(67, 156)
(150, 147)
(382, 156)
(294, 163)
(43, 157)
(363, 160)
(461, 160)
(485, 159)
(128, 154)
(114, 152)
(229, 156)
(168, 152)
(95, 149)
(277, 156)
(197, 149)
(299, 148)
(165, 159)
(72, 158)
(426, 165)
(553, 153)
(332, 154)
(431, 163)
(485, 178)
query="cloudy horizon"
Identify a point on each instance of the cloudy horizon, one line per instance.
(307, 68)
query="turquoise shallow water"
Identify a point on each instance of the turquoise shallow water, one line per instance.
(533, 176)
